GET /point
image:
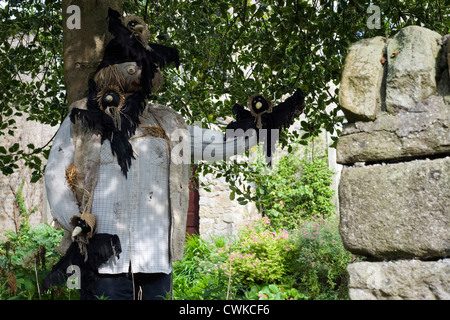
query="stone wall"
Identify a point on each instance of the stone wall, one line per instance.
(394, 190)
(33, 193)
(220, 216)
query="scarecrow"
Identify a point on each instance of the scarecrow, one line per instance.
(116, 179)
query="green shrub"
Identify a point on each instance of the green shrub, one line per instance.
(26, 257)
(320, 260)
(199, 275)
(258, 255)
(227, 268)
(297, 191)
(273, 292)
(307, 263)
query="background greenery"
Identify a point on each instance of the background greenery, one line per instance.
(26, 256)
(308, 263)
(298, 189)
(294, 251)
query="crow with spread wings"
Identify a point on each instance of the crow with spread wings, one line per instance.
(130, 44)
(261, 114)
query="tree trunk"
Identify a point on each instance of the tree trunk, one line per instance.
(85, 35)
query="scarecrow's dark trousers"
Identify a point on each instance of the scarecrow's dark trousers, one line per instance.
(147, 286)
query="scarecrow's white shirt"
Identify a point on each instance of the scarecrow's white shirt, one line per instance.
(135, 208)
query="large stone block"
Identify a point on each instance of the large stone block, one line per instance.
(448, 56)
(396, 210)
(400, 280)
(411, 76)
(359, 93)
(423, 131)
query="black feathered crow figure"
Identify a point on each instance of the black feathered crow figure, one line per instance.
(165, 55)
(262, 115)
(129, 44)
(115, 117)
(88, 251)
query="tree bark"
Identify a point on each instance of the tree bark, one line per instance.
(84, 44)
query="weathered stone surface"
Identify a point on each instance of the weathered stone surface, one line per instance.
(28, 132)
(400, 210)
(421, 131)
(448, 56)
(220, 216)
(444, 86)
(397, 210)
(360, 85)
(411, 74)
(400, 280)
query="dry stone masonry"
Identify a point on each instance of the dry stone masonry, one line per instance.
(394, 192)
(28, 132)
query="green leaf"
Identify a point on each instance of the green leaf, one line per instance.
(14, 148)
(35, 178)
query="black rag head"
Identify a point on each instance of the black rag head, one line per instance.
(126, 76)
(259, 104)
(85, 228)
(126, 47)
(138, 27)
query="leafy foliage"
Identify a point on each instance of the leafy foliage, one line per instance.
(259, 255)
(31, 81)
(25, 259)
(273, 292)
(297, 191)
(198, 276)
(320, 260)
(307, 263)
(26, 256)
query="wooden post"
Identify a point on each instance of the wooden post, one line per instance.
(85, 35)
